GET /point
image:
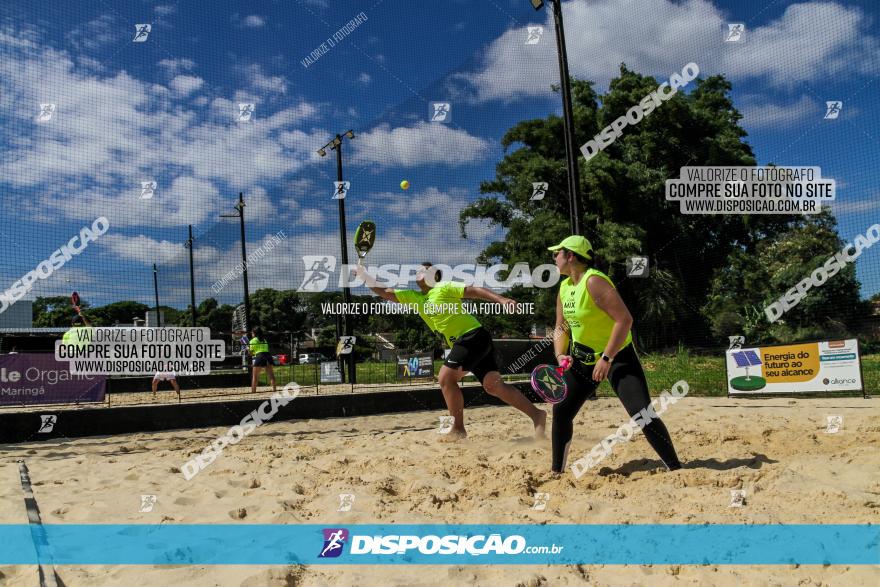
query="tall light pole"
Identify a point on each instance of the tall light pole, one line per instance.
(571, 150)
(192, 277)
(336, 145)
(156, 292)
(239, 208)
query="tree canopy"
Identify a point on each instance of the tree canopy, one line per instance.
(692, 295)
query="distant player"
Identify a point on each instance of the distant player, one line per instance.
(81, 332)
(169, 376)
(262, 358)
(440, 307)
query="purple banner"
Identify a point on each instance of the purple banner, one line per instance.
(37, 378)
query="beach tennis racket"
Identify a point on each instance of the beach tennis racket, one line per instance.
(74, 301)
(364, 237)
(549, 383)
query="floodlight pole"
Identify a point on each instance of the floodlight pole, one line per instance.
(156, 293)
(192, 277)
(239, 207)
(343, 238)
(571, 150)
(336, 144)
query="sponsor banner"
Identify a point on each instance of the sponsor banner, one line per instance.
(409, 366)
(810, 367)
(330, 372)
(37, 378)
(284, 544)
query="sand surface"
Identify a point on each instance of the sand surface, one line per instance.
(293, 472)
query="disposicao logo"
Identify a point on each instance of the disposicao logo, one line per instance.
(334, 540)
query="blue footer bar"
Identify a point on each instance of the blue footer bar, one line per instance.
(225, 544)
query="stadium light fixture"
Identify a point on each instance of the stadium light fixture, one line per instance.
(322, 152)
(537, 4)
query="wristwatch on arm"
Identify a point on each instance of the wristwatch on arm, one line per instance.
(608, 359)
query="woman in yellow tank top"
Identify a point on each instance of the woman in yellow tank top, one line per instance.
(593, 333)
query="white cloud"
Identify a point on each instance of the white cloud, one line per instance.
(184, 85)
(65, 280)
(657, 37)
(166, 9)
(175, 66)
(810, 41)
(840, 207)
(189, 201)
(142, 249)
(312, 217)
(759, 114)
(98, 156)
(18, 38)
(99, 32)
(364, 78)
(254, 21)
(424, 143)
(186, 200)
(431, 236)
(261, 82)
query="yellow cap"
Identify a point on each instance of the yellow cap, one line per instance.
(576, 244)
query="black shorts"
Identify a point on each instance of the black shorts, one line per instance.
(263, 360)
(474, 352)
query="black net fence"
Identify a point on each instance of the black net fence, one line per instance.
(118, 140)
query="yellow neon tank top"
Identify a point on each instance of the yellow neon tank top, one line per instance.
(590, 325)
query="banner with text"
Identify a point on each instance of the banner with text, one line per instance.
(37, 378)
(415, 366)
(809, 367)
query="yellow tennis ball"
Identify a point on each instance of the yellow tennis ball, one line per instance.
(404, 184)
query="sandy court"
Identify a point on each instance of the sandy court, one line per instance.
(293, 472)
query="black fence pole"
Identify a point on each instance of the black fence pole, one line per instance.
(192, 277)
(156, 292)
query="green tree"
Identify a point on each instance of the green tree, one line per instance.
(623, 201)
(278, 311)
(417, 340)
(210, 314)
(751, 281)
(120, 312)
(54, 311)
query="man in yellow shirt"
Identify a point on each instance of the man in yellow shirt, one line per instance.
(80, 334)
(440, 307)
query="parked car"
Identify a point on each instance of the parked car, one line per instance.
(281, 359)
(312, 358)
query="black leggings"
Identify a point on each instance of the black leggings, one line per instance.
(629, 383)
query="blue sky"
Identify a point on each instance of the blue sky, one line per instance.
(165, 110)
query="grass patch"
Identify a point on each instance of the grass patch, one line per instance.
(704, 374)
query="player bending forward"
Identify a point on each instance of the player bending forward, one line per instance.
(440, 307)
